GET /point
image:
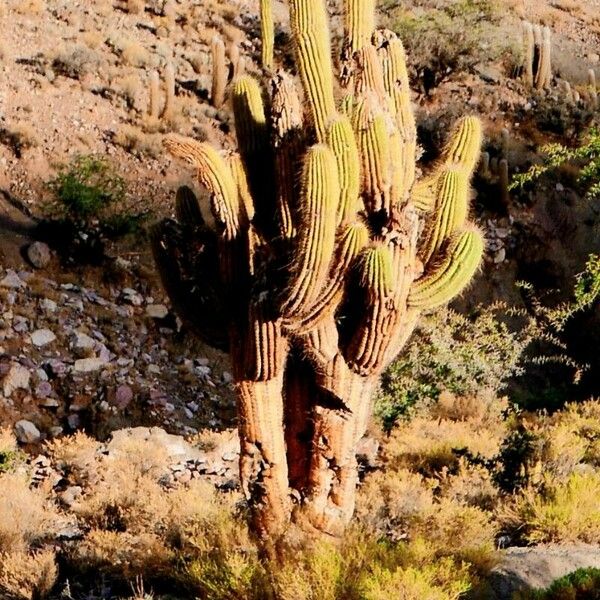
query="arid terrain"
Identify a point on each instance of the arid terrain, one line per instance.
(116, 423)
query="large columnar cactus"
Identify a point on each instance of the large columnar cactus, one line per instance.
(326, 251)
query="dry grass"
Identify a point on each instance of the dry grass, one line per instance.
(27, 576)
(26, 515)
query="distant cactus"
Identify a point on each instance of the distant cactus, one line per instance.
(169, 108)
(219, 72)
(593, 89)
(154, 96)
(324, 255)
(537, 56)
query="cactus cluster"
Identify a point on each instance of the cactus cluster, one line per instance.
(326, 249)
(537, 56)
(155, 114)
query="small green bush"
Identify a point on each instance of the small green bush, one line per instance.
(583, 584)
(86, 187)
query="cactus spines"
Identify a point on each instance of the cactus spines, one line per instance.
(267, 30)
(236, 61)
(544, 74)
(325, 254)
(219, 72)
(449, 214)
(453, 270)
(316, 231)
(216, 176)
(310, 31)
(341, 139)
(537, 56)
(359, 16)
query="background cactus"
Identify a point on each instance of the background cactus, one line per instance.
(325, 253)
(537, 56)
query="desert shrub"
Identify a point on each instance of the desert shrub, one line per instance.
(76, 61)
(9, 454)
(454, 353)
(27, 576)
(26, 515)
(586, 156)
(19, 137)
(442, 37)
(87, 186)
(563, 512)
(583, 584)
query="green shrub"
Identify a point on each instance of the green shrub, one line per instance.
(85, 188)
(583, 584)
(454, 353)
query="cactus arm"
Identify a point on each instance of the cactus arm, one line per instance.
(450, 271)
(311, 36)
(219, 72)
(288, 140)
(528, 53)
(359, 18)
(187, 209)
(316, 231)
(216, 176)
(464, 147)
(267, 30)
(449, 213)
(342, 141)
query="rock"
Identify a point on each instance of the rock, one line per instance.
(366, 452)
(89, 365)
(71, 495)
(27, 432)
(527, 568)
(157, 311)
(130, 296)
(12, 281)
(17, 378)
(123, 396)
(48, 305)
(43, 390)
(83, 343)
(42, 337)
(39, 255)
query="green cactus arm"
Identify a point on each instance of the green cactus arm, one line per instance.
(341, 139)
(377, 271)
(266, 347)
(310, 33)
(464, 146)
(315, 241)
(368, 76)
(450, 272)
(238, 170)
(359, 17)
(449, 213)
(353, 238)
(267, 32)
(374, 149)
(216, 176)
(249, 115)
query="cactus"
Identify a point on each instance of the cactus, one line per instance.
(537, 56)
(324, 255)
(167, 112)
(154, 94)
(219, 72)
(267, 30)
(593, 89)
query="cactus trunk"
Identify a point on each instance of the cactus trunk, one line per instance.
(322, 258)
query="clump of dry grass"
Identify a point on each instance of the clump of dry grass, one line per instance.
(27, 576)
(19, 137)
(564, 512)
(27, 517)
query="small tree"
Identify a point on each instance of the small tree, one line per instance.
(326, 251)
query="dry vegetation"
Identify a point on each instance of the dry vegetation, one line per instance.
(464, 475)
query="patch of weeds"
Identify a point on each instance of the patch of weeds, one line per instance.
(583, 584)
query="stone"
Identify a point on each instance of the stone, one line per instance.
(88, 365)
(42, 337)
(132, 297)
(27, 432)
(157, 311)
(12, 281)
(17, 378)
(43, 390)
(83, 343)
(48, 305)
(123, 396)
(39, 255)
(71, 495)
